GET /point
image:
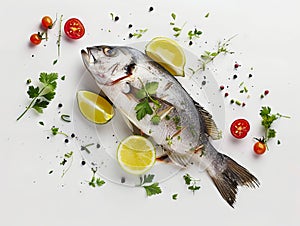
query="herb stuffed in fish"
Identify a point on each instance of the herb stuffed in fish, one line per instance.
(156, 103)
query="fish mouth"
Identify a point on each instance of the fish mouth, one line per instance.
(88, 57)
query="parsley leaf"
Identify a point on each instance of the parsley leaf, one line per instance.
(43, 94)
(155, 120)
(267, 120)
(174, 196)
(142, 109)
(146, 179)
(152, 189)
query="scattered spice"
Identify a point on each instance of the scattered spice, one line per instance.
(226, 94)
(234, 76)
(236, 66)
(222, 87)
(266, 92)
(151, 9)
(130, 26)
(72, 135)
(59, 105)
(28, 81)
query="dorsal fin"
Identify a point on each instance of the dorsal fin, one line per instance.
(210, 125)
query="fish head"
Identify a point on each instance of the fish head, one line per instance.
(108, 64)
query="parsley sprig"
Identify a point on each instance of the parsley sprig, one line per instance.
(267, 120)
(152, 189)
(41, 95)
(194, 33)
(191, 182)
(68, 155)
(143, 108)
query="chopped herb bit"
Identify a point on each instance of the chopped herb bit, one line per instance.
(238, 102)
(56, 131)
(191, 182)
(50, 172)
(65, 118)
(169, 140)
(96, 181)
(155, 119)
(173, 15)
(139, 33)
(41, 123)
(167, 117)
(41, 95)
(63, 162)
(28, 81)
(174, 196)
(207, 15)
(278, 142)
(54, 61)
(176, 119)
(69, 154)
(194, 33)
(63, 78)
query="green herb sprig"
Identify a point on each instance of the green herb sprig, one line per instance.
(194, 33)
(143, 108)
(152, 189)
(267, 120)
(43, 94)
(55, 131)
(191, 182)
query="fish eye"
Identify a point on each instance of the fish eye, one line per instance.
(108, 51)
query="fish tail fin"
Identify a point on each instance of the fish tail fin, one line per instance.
(227, 175)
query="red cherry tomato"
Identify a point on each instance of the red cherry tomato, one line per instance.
(259, 147)
(47, 22)
(35, 39)
(239, 128)
(74, 29)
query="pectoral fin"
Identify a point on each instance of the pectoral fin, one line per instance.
(210, 126)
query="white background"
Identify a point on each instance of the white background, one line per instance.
(267, 40)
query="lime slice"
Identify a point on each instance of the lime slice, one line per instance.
(136, 155)
(168, 54)
(94, 107)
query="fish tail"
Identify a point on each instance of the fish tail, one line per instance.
(227, 175)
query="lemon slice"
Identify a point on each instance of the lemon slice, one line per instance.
(94, 107)
(168, 54)
(136, 155)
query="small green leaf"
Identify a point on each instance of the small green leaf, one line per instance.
(207, 15)
(49, 96)
(142, 109)
(174, 196)
(155, 120)
(146, 179)
(176, 29)
(151, 87)
(173, 15)
(100, 182)
(33, 91)
(152, 189)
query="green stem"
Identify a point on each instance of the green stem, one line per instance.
(31, 103)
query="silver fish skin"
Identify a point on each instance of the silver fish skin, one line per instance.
(185, 128)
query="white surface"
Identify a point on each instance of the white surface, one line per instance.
(268, 36)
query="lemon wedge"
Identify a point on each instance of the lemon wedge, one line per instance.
(136, 155)
(168, 53)
(94, 107)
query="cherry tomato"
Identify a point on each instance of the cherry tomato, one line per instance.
(35, 39)
(239, 128)
(259, 147)
(47, 22)
(74, 29)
